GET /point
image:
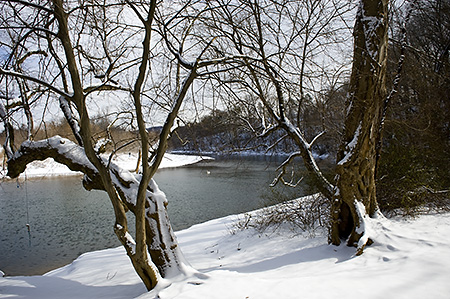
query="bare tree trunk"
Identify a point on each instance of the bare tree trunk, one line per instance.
(137, 251)
(355, 198)
(154, 252)
(161, 241)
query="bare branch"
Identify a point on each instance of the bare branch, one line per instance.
(316, 137)
(34, 5)
(104, 87)
(35, 80)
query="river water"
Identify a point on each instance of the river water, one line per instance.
(66, 220)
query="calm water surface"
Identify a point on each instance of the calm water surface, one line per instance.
(66, 220)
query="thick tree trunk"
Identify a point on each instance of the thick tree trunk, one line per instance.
(355, 197)
(137, 251)
(161, 240)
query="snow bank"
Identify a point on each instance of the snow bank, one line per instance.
(50, 168)
(409, 259)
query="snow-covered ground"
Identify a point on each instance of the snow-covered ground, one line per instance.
(50, 168)
(409, 259)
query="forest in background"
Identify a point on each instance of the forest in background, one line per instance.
(414, 167)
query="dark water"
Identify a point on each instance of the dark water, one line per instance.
(66, 220)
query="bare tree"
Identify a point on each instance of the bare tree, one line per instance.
(75, 53)
(295, 51)
(67, 69)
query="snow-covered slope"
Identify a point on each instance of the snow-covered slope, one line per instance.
(50, 168)
(410, 259)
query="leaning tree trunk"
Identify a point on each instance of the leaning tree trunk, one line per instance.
(161, 240)
(355, 197)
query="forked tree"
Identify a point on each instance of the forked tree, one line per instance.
(75, 53)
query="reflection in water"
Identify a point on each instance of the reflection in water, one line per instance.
(66, 220)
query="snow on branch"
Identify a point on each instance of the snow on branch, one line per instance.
(105, 87)
(282, 167)
(60, 149)
(289, 160)
(306, 153)
(65, 107)
(372, 23)
(349, 149)
(8, 129)
(269, 148)
(67, 152)
(316, 137)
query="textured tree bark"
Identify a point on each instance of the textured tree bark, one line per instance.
(161, 241)
(355, 197)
